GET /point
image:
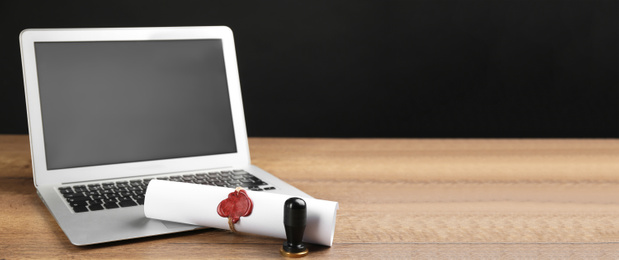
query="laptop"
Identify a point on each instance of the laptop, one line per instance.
(110, 109)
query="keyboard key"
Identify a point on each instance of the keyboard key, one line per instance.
(74, 195)
(95, 207)
(112, 195)
(79, 209)
(135, 188)
(112, 200)
(127, 203)
(84, 198)
(93, 187)
(80, 189)
(111, 205)
(66, 190)
(92, 193)
(78, 203)
(246, 184)
(94, 201)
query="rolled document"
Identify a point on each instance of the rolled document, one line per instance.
(197, 204)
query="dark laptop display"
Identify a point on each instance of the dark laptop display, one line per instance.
(120, 101)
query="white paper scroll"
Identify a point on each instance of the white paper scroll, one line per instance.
(197, 204)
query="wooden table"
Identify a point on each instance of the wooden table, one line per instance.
(399, 198)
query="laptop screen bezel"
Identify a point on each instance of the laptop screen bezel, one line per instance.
(44, 176)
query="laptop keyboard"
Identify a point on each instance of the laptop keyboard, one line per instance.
(129, 193)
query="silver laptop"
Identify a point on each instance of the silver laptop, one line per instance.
(110, 109)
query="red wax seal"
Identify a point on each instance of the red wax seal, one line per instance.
(237, 205)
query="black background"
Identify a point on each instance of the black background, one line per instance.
(383, 68)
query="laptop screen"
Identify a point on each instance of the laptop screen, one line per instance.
(128, 101)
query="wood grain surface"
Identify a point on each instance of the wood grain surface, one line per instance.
(399, 198)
